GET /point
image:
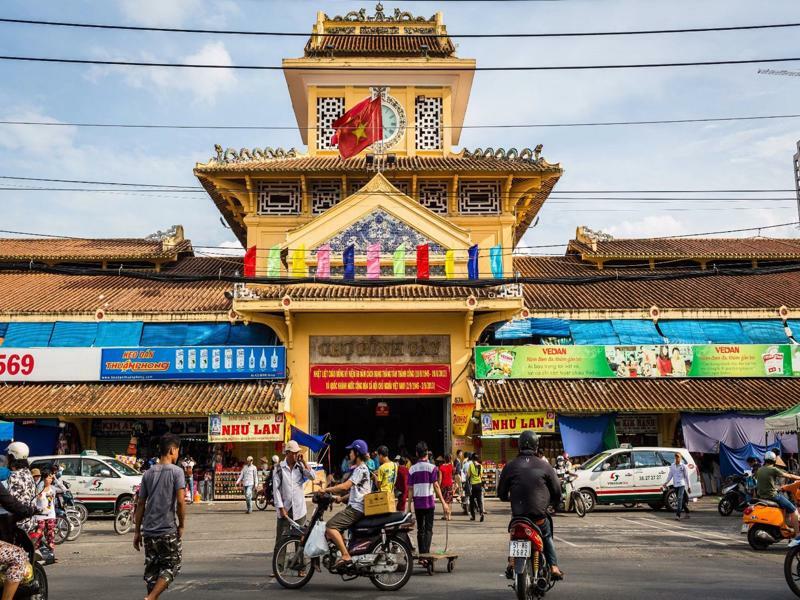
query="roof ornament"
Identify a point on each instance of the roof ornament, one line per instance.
(587, 235)
(360, 16)
(526, 154)
(160, 236)
(245, 155)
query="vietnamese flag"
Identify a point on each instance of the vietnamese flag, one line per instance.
(358, 128)
(250, 262)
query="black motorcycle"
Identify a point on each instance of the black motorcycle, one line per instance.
(380, 548)
(735, 495)
(264, 495)
(34, 583)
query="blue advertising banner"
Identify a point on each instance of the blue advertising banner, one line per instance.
(193, 362)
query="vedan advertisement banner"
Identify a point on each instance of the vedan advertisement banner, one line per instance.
(600, 362)
(503, 424)
(49, 364)
(203, 362)
(245, 428)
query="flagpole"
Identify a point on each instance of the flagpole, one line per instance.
(377, 147)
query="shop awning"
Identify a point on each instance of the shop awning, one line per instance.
(137, 399)
(593, 396)
(786, 422)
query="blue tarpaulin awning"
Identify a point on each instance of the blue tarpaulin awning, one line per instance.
(636, 332)
(514, 330)
(118, 334)
(765, 332)
(207, 334)
(73, 334)
(683, 332)
(28, 335)
(6, 431)
(724, 332)
(593, 333)
(164, 334)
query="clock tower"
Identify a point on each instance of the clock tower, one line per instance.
(408, 60)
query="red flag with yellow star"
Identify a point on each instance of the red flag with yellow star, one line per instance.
(359, 127)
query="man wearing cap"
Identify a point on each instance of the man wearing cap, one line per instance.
(288, 478)
(248, 479)
(358, 485)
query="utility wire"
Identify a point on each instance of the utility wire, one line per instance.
(375, 35)
(366, 68)
(409, 127)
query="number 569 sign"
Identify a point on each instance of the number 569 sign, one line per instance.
(49, 364)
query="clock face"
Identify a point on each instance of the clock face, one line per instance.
(390, 121)
(394, 121)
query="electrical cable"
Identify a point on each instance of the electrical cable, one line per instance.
(367, 68)
(79, 25)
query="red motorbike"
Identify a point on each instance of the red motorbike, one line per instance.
(532, 576)
(123, 520)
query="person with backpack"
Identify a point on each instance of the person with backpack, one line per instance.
(160, 518)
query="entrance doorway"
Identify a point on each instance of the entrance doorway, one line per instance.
(409, 420)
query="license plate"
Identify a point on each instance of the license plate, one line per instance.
(519, 549)
(745, 528)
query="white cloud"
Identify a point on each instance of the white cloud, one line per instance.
(36, 140)
(650, 226)
(202, 85)
(166, 13)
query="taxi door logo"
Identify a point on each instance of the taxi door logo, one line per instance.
(614, 477)
(96, 484)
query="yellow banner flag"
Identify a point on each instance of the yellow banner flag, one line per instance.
(299, 262)
(450, 264)
(462, 413)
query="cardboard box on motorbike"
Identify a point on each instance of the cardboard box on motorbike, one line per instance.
(379, 503)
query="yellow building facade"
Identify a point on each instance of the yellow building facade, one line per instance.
(403, 352)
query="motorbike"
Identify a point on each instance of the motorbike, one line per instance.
(380, 548)
(123, 520)
(735, 495)
(532, 577)
(264, 495)
(34, 582)
(791, 567)
(764, 521)
(571, 499)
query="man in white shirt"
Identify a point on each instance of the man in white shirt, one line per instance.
(248, 479)
(288, 480)
(679, 476)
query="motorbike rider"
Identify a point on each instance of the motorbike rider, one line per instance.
(13, 557)
(531, 484)
(767, 488)
(20, 482)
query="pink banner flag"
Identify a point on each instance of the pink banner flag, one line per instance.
(374, 261)
(324, 261)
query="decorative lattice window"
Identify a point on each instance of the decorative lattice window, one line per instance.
(325, 194)
(328, 110)
(428, 120)
(355, 185)
(279, 198)
(433, 196)
(404, 185)
(479, 197)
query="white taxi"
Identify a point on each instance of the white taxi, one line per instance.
(633, 475)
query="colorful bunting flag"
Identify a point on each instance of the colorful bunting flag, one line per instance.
(324, 261)
(450, 264)
(250, 262)
(423, 264)
(399, 261)
(274, 261)
(349, 260)
(496, 259)
(299, 262)
(472, 262)
(374, 261)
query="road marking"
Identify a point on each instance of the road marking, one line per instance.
(563, 541)
(673, 531)
(699, 530)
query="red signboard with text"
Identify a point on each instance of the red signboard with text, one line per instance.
(380, 380)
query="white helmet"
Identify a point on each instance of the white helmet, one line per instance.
(18, 450)
(275, 459)
(771, 456)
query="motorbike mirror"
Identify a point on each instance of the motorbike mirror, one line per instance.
(105, 473)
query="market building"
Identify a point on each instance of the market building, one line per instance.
(485, 343)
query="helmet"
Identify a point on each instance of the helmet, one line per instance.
(528, 440)
(770, 456)
(275, 459)
(560, 460)
(18, 450)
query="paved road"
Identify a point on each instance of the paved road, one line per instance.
(611, 554)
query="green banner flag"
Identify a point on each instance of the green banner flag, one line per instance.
(274, 262)
(399, 261)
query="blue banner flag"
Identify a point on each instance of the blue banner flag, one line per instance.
(349, 259)
(496, 258)
(315, 443)
(472, 262)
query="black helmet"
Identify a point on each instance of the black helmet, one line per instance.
(528, 440)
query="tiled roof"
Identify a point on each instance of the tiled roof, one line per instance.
(60, 249)
(333, 164)
(687, 248)
(708, 291)
(136, 399)
(320, 291)
(379, 45)
(46, 293)
(641, 395)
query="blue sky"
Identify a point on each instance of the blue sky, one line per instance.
(731, 155)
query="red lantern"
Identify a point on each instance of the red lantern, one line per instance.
(382, 409)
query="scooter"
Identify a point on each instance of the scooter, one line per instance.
(764, 522)
(735, 495)
(532, 577)
(123, 520)
(264, 495)
(34, 582)
(380, 548)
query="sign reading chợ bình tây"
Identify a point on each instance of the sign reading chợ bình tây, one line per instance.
(246, 428)
(656, 361)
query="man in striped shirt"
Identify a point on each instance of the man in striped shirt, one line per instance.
(423, 481)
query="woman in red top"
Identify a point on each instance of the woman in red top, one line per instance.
(401, 483)
(446, 482)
